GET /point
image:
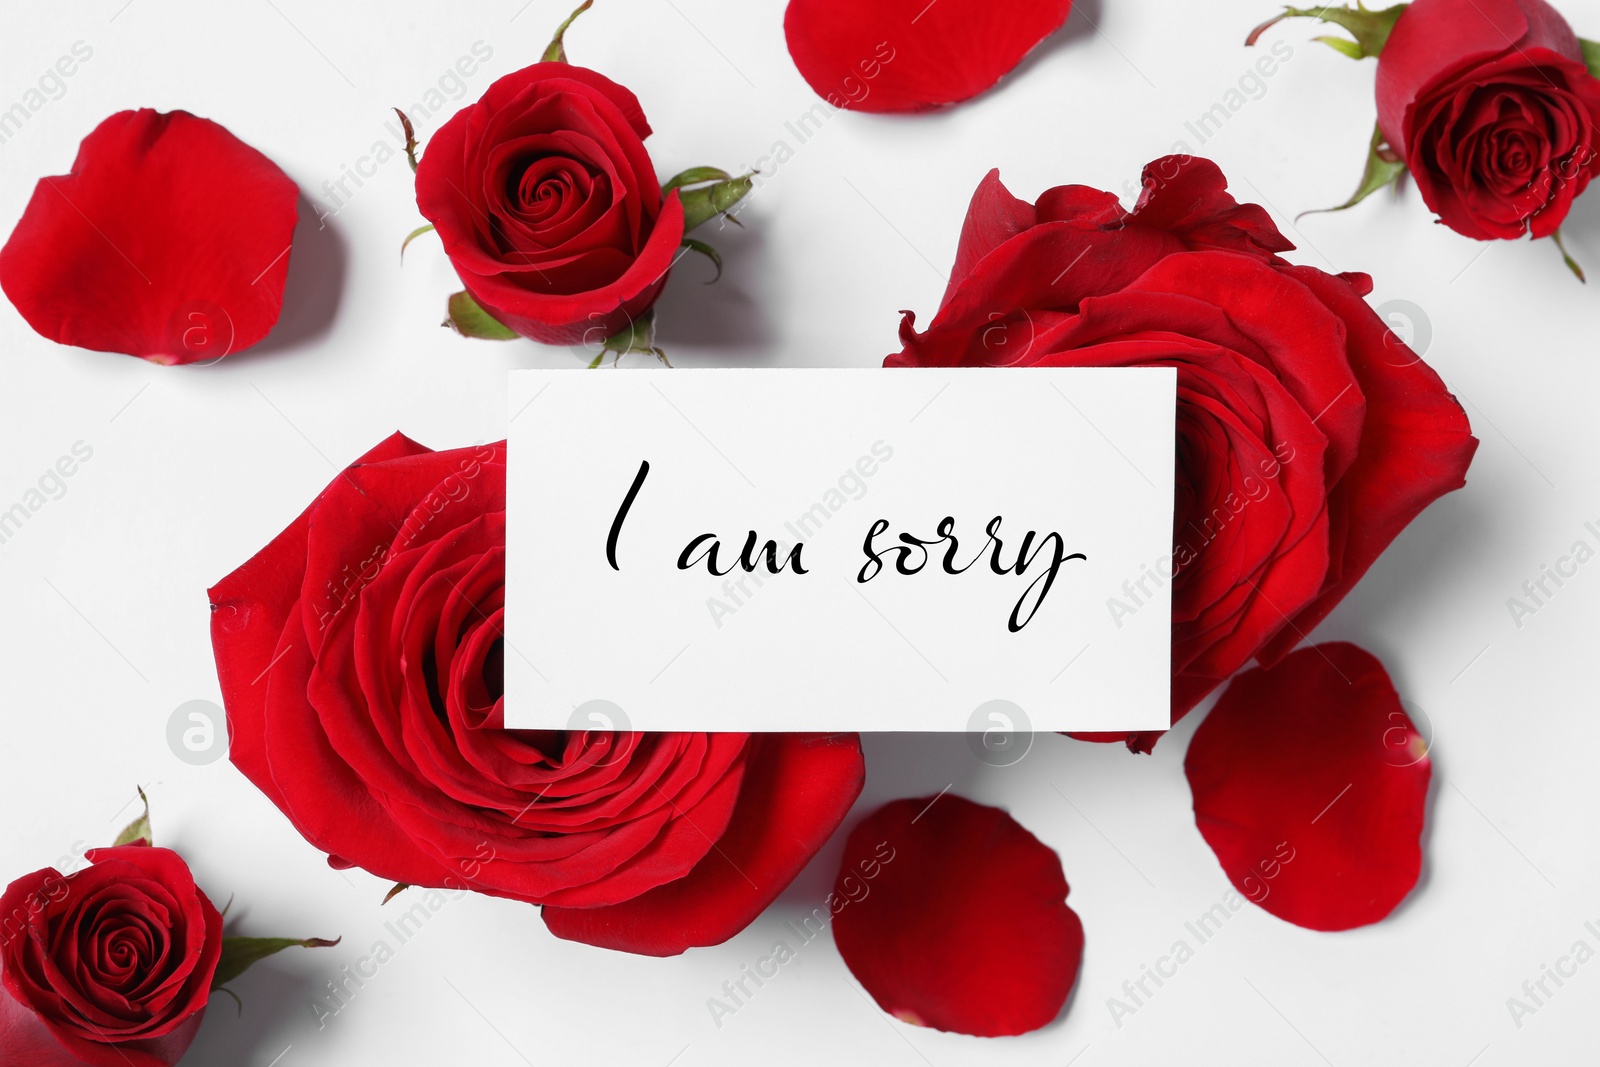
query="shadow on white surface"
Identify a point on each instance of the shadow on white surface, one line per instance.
(318, 264)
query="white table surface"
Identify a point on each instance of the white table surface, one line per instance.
(104, 631)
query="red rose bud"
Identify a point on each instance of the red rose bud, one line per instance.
(1308, 434)
(1492, 106)
(169, 241)
(551, 212)
(113, 965)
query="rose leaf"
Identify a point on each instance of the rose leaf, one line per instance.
(139, 829)
(1591, 55)
(696, 176)
(705, 250)
(709, 201)
(557, 52)
(1370, 29)
(468, 318)
(1566, 257)
(239, 954)
(412, 236)
(1383, 168)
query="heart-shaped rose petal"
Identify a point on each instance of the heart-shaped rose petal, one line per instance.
(169, 241)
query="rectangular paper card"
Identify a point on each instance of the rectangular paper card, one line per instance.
(822, 550)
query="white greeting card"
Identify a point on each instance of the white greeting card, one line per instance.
(871, 549)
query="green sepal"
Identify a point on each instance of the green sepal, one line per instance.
(394, 891)
(239, 954)
(468, 318)
(1383, 168)
(411, 139)
(706, 202)
(696, 176)
(705, 250)
(1339, 44)
(1566, 258)
(138, 829)
(557, 52)
(1591, 55)
(638, 336)
(413, 235)
(1370, 29)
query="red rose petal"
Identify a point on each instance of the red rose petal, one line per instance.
(1300, 790)
(248, 611)
(168, 241)
(27, 1042)
(1416, 446)
(797, 791)
(913, 55)
(954, 916)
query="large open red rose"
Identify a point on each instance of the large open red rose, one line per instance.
(1308, 434)
(548, 205)
(1492, 109)
(361, 659)
(110, 966)
(168, 241)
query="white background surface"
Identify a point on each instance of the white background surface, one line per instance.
(105, 628)
(736, 452)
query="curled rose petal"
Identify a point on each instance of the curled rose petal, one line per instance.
(954, 916)
(1309, 784)
(169, 241)
(912, 55)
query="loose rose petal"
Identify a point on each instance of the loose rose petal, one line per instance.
(168, 241)
(954, 916)
(1299, 791)
(912, 55)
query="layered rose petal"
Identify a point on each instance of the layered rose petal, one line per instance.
(954, 916)
(361, 656)
(799, 788)
(1299, 792)
(1492, 108)
(1416, 445)
(1432, 37)
(911, 55)
(169, 240)
(1308, 434)
(111, 965)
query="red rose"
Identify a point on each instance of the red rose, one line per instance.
(548, 205)
(1492, 109)
(168, 241)
(1308, 434)
(110, 966)
(361, 660)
